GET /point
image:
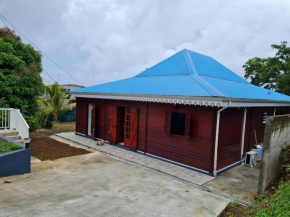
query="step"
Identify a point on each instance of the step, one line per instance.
(8, 133)
(14, 138)
(19, 141)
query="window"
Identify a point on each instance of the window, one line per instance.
(177, 125)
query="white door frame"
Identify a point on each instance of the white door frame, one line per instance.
(90, 114)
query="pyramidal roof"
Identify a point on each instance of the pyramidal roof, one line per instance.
(186, 74)
(188, 62)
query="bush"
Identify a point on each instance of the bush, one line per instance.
(33, 122)
(285, 169)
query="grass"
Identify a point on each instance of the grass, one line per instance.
(275, 202)
(6, 146)
(276, 205)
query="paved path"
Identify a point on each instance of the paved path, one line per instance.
(156, 164)
(96, 185)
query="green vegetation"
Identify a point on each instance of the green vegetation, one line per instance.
(276, 205)
(58, 103)
(8, 146)
(20, 68)
(275, 201)
(273, 72)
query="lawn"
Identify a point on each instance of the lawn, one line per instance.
(6, 146)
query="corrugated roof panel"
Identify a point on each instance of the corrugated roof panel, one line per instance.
(174, 65)
(187, 74)
(163, 86)
(239, 90)
(208, 66)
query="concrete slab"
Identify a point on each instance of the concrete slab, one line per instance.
(240, 182)
(95, 185)
(147, 161)
(34, 160)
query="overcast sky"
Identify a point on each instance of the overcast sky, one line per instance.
(98, 41)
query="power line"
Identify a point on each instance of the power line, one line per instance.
(45, 80)
(3, 22)
(40, 50)
(49, 75)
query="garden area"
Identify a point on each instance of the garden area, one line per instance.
(45, 148)
(6, 146)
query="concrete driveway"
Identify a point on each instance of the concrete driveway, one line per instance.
(96, 185)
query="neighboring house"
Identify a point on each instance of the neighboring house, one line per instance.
(66, 87)
(188, 109)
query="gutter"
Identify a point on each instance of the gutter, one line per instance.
(217, 137)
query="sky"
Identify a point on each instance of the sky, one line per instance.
(99, 41)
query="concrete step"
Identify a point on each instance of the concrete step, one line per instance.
(19, 141)
(8, 133)
(14, 138)
(13, 135)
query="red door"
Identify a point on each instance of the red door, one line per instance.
(113, 125)
(131, 128)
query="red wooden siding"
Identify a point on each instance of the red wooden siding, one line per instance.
(82, 116)
(196, 148)
(255, 123)
(195, 151)
(229, 148)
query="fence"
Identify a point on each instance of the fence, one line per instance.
(12, 119)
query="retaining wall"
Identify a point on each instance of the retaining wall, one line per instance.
(277, 136)
(15, 162)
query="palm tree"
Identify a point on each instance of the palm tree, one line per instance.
(57, 102)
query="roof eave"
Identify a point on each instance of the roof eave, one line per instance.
(202, 101)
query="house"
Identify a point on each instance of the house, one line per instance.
(188, 109)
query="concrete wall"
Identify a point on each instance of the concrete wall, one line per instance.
(277, 136)
(15, 162)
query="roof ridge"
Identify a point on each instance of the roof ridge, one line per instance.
(197, 53)
(204, 84)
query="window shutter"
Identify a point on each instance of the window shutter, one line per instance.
(187, 126)
(167, 122)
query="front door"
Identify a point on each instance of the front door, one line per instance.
(131, 128)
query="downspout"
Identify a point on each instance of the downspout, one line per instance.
(243, 132)
(217, 137)
(274, 113)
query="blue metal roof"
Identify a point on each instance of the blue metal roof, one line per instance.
(187, 74)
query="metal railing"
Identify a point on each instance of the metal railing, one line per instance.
(12, 119)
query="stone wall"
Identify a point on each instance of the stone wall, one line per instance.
(277, 136)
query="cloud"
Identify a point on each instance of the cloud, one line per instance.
(102, 41)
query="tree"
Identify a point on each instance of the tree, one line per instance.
(20, 68)
(273, 72)
(58, 102)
